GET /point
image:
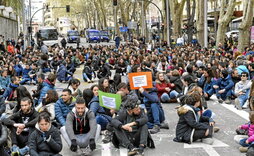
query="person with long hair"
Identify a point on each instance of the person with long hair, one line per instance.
(102, 115)
(73, 86)
(21, 93)
(48, 103)
(104, 85)
(191, 126)
(45, 139)
(164, 88)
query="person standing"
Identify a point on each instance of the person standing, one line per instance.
(63, 42)
(117, 41)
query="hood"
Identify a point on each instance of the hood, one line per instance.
(174, 78)
(94, 99)
(184, 109)
(47, 82)
(37, 127)
(160, 82)
(13, 85)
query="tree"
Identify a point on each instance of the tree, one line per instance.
(176, 9)
(190, 17)
(200, 22)
(244, 27)
(226, 12)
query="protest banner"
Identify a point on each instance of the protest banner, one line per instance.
(109, 100)
(140, 79)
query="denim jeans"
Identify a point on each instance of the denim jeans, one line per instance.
(155, 115)
(243, 143)
(86, 78)
(103, 121)
(243, 98)
(207, 113)
(165, 97)
(224, 95)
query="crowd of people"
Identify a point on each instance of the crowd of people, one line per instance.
(187, 74)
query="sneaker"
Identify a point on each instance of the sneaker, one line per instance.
(243, 149)
(246, 104)
(227, 101)
(220, 100)
(108, 137)
(164, 125)
(155, 129)
(87, 151)
(237, 104)
(140, 152)
(132, 150)
(208, 141)
(24, 150)
(15, 150)
(216, 129)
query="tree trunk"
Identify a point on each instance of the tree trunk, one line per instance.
(177, 11)
(224, 20)
(190, 16)
(244, 27)
(200, 22)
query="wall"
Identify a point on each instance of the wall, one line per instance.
(8, 26)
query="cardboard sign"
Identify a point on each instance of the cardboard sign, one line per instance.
(140, 79)
(110, 101)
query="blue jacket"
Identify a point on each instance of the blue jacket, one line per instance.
(62, 73)
(208, 87)
(4, 82)
(46, 85)
(8, 93)
(18, 68)
(25, 73)
(62, 109)
(226, 83)
(95, 107)
(151, 97)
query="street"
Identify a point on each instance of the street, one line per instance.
(227, 119)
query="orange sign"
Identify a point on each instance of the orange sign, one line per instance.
(140, 79)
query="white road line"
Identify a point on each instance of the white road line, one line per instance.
(106, 149)
(241, 113)
(208, 148)
(123, 151)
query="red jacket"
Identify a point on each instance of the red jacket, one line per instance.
(161, 87)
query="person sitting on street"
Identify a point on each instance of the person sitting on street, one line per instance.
(9, 92)
(21, 125)
(130, 129)
(47, 84)
(62, 73)
(36, 93)
(246, 140)
(5, 81)
(88, 73)
(224, 87)
(191, 125)
(25, 76)
(63, 106)
(155, 112)
(104, 70)
(164, 88)
(73, 86)
(45, 139)
(242, 91)
(102, 115)
(81, 130)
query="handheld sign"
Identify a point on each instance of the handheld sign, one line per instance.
(140, 79)
(110, 101)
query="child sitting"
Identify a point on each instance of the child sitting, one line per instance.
(246, 141)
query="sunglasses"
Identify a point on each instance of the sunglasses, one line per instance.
(243, 75)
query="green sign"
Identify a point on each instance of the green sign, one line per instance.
(110, 101)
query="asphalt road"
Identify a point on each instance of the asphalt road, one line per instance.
(227, 118)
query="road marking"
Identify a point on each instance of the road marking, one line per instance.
(106, 149)
(241, 113)
(208, 148)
